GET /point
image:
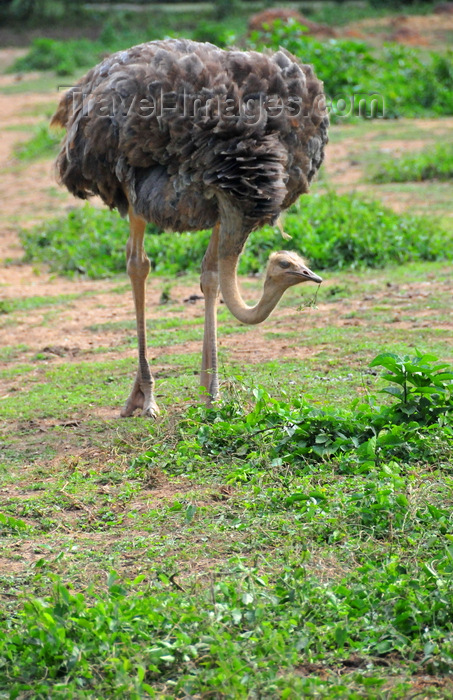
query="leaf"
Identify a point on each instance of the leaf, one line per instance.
(401, 499)
(322, 438)
(393, 390)
(444, 376)
(385, 359)
(428, 649)
(13, 523)
(236, 614)
(112, 579)
(168, 658)
(40, 563)
(427, 357)
(398, 377)
(341, 635)
(190, 512)
(427, 390)
(298, 496)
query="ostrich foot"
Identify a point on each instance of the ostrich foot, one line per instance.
(213, 393)
(141, 396)
(209, 386)
(211, 400)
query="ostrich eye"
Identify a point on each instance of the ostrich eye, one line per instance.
(284, 263)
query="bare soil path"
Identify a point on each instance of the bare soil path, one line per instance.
(29, 194)
(68, 476)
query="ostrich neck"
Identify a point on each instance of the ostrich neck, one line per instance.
(233, 234)
(232, 296)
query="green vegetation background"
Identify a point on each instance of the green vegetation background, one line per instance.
(336, 579)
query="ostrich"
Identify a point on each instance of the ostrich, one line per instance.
(190, 136)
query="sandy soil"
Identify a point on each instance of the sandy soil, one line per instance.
(432, 31)
(27, 195)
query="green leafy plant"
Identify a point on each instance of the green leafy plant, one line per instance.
(132, 639)
(424, 387)
(401, 80)
(62, 57)
(322, 550)
(332, 231)
(417, 425)
(8, 523)
(214, 32)
(43, 144)
(436, 163)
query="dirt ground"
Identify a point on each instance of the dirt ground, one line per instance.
(434, 30)
(28, 195)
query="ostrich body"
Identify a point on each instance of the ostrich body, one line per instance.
(190, 136)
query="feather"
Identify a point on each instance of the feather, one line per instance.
(168, 124)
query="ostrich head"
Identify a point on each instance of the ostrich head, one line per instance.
(286, 269)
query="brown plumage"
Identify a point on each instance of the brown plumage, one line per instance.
(190, 136)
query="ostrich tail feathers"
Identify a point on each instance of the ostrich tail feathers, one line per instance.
(252, 172)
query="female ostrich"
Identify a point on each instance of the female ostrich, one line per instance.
(190, 136)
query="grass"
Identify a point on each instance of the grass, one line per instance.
(45, 82)
(8, 306)
(367, 145)
(268, 568)
(332, 231)
(425, 199)
(431, 164)
(295, 542)
(43, 144)
(252, 550)
(369, 134)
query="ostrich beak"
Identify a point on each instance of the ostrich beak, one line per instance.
(306, 274)
(311, 276)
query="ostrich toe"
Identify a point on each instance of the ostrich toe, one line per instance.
(141, 396)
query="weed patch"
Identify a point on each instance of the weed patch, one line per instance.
(333, 231)
(43, 144)
(62, 57)
(246, 635)
(398, 82)
(366, 436)
(294, 483)
(436, 163)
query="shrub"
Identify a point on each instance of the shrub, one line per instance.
(333, 231)
(435, 163)
(63, 57)
(399, 81)
(400, 78)
(43, 144)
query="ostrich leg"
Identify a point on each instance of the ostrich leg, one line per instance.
(209, 283)
(138, 266)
